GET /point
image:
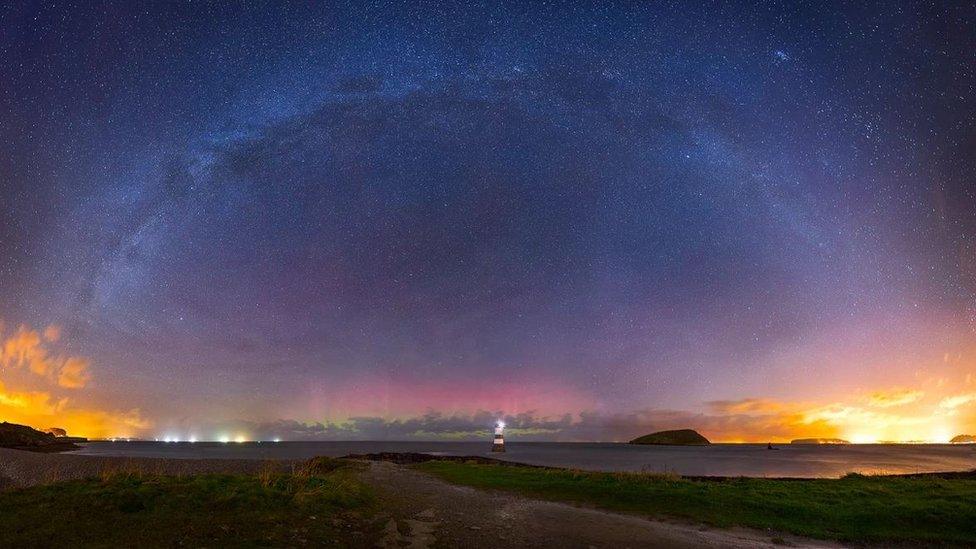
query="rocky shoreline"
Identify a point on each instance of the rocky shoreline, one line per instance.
(22, 437)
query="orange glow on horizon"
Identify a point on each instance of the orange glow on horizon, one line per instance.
(52, 380)
(43, 388)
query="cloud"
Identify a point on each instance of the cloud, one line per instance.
(30, 349)
(745, 420)
(956, 401)
(74, 374)
(52, 333)
(895, 414)
(41, 409)
(745, 406)
(894, 397)
(32, 402)
(586, 426)
(24, 349)
(431, 425)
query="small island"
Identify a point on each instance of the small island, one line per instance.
(963, 439)
(819, 441)
(679, 437)
(22, 437)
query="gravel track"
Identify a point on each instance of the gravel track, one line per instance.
(427, 512)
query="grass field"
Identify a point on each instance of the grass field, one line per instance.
(320, 503)
(855, 508)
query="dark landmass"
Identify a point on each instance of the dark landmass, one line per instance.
(963, 439)
(819, 441)
(679, 437)
(22, 437)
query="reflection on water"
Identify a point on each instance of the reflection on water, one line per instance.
(714, 460)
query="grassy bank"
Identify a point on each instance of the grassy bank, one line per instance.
(316, 504)
(855, 508)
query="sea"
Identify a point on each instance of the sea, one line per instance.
(727, 460)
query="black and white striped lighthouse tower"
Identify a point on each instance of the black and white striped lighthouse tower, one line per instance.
(498, 445)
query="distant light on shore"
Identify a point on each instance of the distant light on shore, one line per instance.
(861, 438)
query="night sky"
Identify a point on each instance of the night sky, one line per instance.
(379, 220)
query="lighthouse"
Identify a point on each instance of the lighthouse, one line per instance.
(498, 445)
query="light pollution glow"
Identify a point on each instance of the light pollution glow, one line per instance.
(934, 410)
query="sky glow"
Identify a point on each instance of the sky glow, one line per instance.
(348, 221)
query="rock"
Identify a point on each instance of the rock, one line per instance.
(22, 437)
(963, 439)
(679, 437)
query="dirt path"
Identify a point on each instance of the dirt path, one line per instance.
(427, 512)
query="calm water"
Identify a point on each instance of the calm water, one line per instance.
(714, 460)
